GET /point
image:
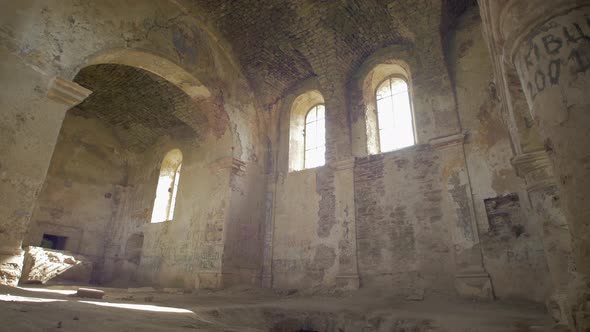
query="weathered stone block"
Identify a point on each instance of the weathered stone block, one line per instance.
(90, 293)
(42, 265)
(11, 265)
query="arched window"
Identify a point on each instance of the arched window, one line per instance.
(394, 114)
(315, 137)
(167, 187)
(307, 131)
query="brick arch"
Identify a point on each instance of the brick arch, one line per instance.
(207, 102)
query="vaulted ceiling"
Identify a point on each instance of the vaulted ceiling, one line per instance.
(279, 43)
(138, 105)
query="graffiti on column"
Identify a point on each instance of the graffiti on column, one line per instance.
(553, 48)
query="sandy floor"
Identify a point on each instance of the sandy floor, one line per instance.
(53, 309)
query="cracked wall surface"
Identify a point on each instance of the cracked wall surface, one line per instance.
(218, 80)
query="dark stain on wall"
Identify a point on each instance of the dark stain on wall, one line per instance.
(504, 216)
(461, 199)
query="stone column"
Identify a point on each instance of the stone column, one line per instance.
(535, 168)
(337, 200)
(30, 123)
(471, 279)
(224, 238)
(549, 44)
(347, 277)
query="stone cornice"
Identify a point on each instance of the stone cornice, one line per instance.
(530, 162)
(535, 168)
(67, 92)
(447, 141)
(342, 164)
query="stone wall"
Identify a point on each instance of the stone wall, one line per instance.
(446, 215)
(162, 38)
(513, 256)
(420, 218)
(78, 198)
(403, 241)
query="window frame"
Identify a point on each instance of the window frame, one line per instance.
(174, 169)
(409, 92)
(305, 134)
(174, 193)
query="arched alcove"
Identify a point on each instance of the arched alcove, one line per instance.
(101, 169)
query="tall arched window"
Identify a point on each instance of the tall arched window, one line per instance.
(167, 187)
(315, 137)
(394, 114)
(307, 131)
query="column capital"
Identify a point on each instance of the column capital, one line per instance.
(67, 92)
(535, 168)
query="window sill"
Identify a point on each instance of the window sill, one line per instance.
(400, 150)
(306, 169)
(157, 224)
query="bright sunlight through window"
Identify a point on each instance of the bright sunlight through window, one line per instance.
(315, 137)
(394, 115)
(167, 187)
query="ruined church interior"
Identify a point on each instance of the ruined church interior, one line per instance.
(295, 165)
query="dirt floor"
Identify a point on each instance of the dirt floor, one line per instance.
(54, 308)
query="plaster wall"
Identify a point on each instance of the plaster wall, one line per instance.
(301, 258)
(420, 216)
(174, 251)
(41, 40)
(244, 234)
(516, 257)
(77, 199)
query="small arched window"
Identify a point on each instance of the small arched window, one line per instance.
(315, 137)
(307, 131)
(394, 114)
(167, 187)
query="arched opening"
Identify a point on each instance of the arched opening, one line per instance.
(107, 162)
(394, 114)
(389, 114)
(165, 200)
(307, 131)
(315, 137)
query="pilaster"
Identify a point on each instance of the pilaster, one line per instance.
(347, 277)
(471, 279)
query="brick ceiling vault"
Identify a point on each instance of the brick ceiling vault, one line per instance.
(138, 105)
(280, 43)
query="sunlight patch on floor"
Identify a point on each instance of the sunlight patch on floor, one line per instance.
(12, 298)
(48, 290)
(143, 307)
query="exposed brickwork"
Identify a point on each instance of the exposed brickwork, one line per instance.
(399, 213)
(452, 9)
(280, 43)
(140, 105)
(325, 188)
